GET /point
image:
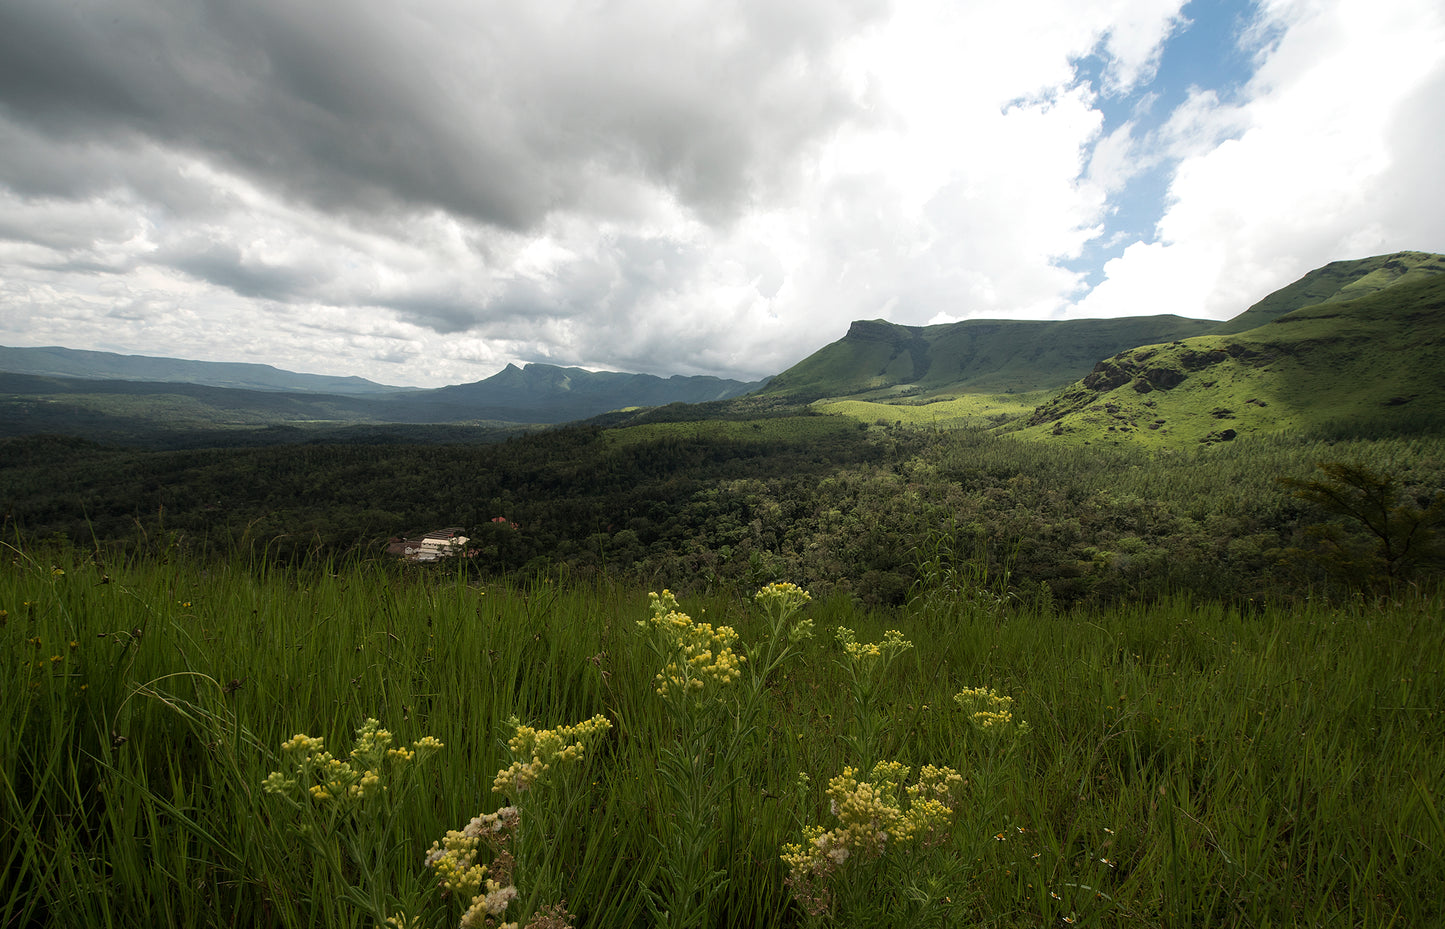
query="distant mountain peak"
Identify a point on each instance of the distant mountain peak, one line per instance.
(543, 393)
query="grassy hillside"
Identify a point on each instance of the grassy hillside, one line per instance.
(1376, 360)
(1164, 379)
(942, 412)
(966, 374)
(878, 360)
(1336, 282)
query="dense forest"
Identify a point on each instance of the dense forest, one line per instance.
(828, 501)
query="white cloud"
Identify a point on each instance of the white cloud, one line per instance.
(1116, 159)
(1310, 166)
(679, 187)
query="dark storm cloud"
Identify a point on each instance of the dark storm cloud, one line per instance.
(442, 313)
(225, 265)
(602, 290)
(501, 112)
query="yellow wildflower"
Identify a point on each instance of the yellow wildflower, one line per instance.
(323, 778)
(697, 655)
(300, 742)
(781, 600)
(871, 814)
(537, 751)
(863, 653)
(278, 783)
(487, 888)
(987, 709)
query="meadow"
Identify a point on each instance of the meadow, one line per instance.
(611, 759)
(948, 411)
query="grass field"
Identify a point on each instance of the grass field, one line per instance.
(799, 428)
(1182, 764)
(948, 412)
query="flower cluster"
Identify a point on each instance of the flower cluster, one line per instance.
(871, 813)
(780, 600)
(866, 654)
(318, 775)
(987, 709)
(488, 888)
(535, 752)
(697, 655)
(786, 594)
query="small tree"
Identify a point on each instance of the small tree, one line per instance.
(1401, 531)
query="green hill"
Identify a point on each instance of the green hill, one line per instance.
(1355, 339)
(1336, 282)
(543, 393)
(1376, 361)
(879, 360)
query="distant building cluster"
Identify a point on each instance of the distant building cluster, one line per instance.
(435, 545)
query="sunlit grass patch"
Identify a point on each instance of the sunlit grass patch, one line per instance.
(947, 412)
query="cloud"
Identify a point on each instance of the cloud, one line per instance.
(497, 112)
(1134, 40)
(1312, 164)
(332, 152)
(423, 193)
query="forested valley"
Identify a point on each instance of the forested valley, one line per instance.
(759, 672)
(835, 504)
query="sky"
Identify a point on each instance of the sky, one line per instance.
(421, 193)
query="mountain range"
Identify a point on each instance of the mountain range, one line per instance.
(880, 360)
(52, 361)
(1359, 339)
(44, 390)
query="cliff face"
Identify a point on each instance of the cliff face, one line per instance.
(878, 330)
